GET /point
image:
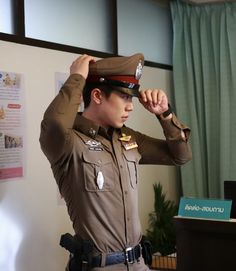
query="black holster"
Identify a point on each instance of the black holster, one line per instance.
(147, 252)
(80, 252)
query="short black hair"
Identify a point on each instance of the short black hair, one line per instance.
(88, 89)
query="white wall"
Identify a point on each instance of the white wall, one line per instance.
(29, 208)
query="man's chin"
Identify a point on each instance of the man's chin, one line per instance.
(118, 125)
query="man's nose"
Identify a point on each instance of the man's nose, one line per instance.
(130, 106)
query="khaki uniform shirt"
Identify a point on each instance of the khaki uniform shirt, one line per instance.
(96, 170)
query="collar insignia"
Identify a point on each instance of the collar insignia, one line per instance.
(125, 137)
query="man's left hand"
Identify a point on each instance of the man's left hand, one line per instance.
(154, 100)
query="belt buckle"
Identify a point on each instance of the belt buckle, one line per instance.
(127, 258)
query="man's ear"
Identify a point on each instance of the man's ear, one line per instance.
(96, 95)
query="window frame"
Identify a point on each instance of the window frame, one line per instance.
(19, 37)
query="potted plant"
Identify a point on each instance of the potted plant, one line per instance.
(161, 231)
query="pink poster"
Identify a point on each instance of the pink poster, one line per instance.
(11, 126)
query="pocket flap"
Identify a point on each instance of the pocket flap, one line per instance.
(96, 157)
(132, 155)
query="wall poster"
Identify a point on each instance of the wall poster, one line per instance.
(12, 120)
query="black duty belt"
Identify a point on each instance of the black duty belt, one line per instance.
(128, 256)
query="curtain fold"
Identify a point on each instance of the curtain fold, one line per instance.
(204, 74)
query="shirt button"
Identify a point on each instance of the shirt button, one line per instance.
(121, 166)
(92, 132)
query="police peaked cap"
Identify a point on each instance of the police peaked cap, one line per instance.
(120, 73)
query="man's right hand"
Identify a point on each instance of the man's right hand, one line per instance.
(81, 65)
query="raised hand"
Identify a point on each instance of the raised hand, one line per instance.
(81, 65)
(154, 100)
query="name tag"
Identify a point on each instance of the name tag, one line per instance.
(205, 208)
(130, 145)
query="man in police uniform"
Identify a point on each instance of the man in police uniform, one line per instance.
(94, 156)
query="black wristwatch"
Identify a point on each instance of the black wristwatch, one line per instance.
(166, 113)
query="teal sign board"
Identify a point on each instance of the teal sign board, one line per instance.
(205, 208)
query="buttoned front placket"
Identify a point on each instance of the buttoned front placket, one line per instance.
(124, 184)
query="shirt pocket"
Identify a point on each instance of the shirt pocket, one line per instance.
(93, 163)
(132, 158)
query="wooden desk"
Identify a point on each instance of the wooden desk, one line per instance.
(205, 245)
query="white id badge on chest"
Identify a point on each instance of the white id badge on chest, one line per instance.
(100, 180)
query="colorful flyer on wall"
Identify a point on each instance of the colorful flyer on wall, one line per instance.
(12, 125)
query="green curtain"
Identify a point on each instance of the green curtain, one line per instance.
(204, 74)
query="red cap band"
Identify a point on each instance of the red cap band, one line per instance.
(122, 78)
